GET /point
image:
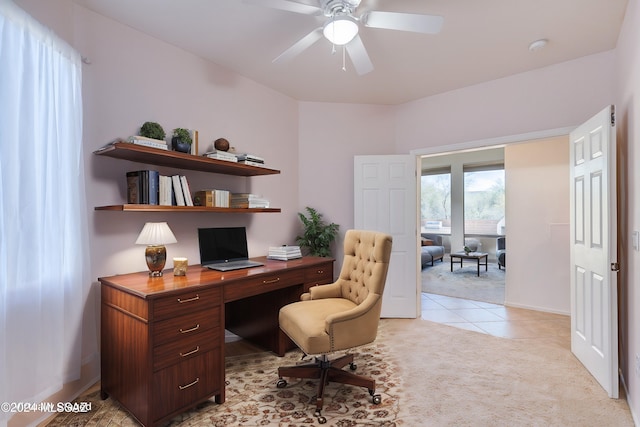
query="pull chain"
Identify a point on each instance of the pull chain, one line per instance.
(344, 66)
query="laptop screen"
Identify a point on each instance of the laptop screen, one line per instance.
(222, 244)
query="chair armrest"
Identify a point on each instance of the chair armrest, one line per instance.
(355, 327)
(331, 290)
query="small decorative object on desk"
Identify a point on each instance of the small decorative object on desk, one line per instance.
(284, 253)
(467, 250)
(221, 144)
(180, 266)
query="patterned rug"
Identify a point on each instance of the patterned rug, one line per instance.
(252, 398)
(464, 282)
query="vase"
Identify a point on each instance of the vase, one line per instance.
(178, 145)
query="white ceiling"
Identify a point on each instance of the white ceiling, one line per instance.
(481, 40)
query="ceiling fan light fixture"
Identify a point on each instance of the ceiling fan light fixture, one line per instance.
(340, 30)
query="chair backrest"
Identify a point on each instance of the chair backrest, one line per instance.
(365, 265)
(501, 242)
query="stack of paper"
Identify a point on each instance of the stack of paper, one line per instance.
(284, 253)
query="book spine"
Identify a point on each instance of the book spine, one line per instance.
(133, 187)
(177, 190)
(154, 184)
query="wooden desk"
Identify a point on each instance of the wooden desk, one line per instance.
(162, 338)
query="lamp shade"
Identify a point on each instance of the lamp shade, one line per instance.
(156, 233)
(340, 30)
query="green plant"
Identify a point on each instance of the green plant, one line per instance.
(183, 135)
(318, 235)
(152, 130)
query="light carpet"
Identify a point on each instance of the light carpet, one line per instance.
(428, 374)
(464, 282)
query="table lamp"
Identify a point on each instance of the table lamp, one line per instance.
(155, 235)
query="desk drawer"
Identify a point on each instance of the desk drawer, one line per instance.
(263, 284)
(180, 386)
(182, 327)
(186, 302)
(176, 351)
(319, 275)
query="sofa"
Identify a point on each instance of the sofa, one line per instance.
(432, 249)
(501, 252)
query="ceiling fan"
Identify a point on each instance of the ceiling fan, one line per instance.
(342, 25)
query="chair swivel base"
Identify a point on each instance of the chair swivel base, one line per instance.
(328, 371)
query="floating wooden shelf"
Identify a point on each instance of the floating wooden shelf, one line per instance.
(175, 159)
(158, 208)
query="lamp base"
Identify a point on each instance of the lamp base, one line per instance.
(156, 257)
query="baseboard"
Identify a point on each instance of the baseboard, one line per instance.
(634, 417)
(536, 308)
(89, 376)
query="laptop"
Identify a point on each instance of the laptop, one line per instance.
(224, 248)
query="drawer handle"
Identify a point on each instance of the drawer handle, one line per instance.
(320, 271)
(195, 328)
(197, 349)
(196, 298)
(266, 282)
(182, 387)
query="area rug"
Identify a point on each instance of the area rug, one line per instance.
(252, 398)
(464, 282)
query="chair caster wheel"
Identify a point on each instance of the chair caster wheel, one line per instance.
(322, 420)
(377, 399)
(353, 366)
(281, 383)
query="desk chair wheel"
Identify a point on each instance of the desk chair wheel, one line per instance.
(353, 366)
(321, 418)
(281, 383)
(376, 399)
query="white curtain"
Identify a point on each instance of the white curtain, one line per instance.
(43, 225)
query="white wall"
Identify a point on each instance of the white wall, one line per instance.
(537, 212)
(628, 136)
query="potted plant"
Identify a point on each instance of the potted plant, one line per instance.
(181, 140)
(318, 235)
(152, 130)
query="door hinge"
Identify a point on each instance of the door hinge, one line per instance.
(613, 116)
(615, 267)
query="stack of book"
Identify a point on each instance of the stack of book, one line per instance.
(148, 187)
(248, 200)
(148, 142)
(212, 198)
(250, 159)
(284, 253)
(221, 155)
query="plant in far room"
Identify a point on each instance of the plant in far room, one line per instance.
(181, 140)
(152, 130)
(318, 235)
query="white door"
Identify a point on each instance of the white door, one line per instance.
(594, 308)
(385, 199)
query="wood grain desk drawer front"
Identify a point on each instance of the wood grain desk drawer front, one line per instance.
(182, 327)
(182, 384)
(320, 275)
(186, 302)
(263, 284)
(177, 351)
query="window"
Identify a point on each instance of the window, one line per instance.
(484, 201)
(435, 202)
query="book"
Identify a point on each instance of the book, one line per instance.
(212, 198)
(250, 157)
(248, 200)
(177, 190)
(185, 189)
(221, 155)
(148, 142)
(143, 187)
(166, 191)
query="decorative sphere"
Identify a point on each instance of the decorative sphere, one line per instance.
(221, 144)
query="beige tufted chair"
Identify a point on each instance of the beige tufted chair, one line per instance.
(340, 315)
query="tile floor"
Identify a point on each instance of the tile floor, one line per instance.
(497, 320)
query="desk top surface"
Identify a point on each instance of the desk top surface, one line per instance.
(142, 285)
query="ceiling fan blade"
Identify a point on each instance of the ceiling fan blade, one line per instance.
(359, 56)
(300, 45)
(427, 24)
(286, 5)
